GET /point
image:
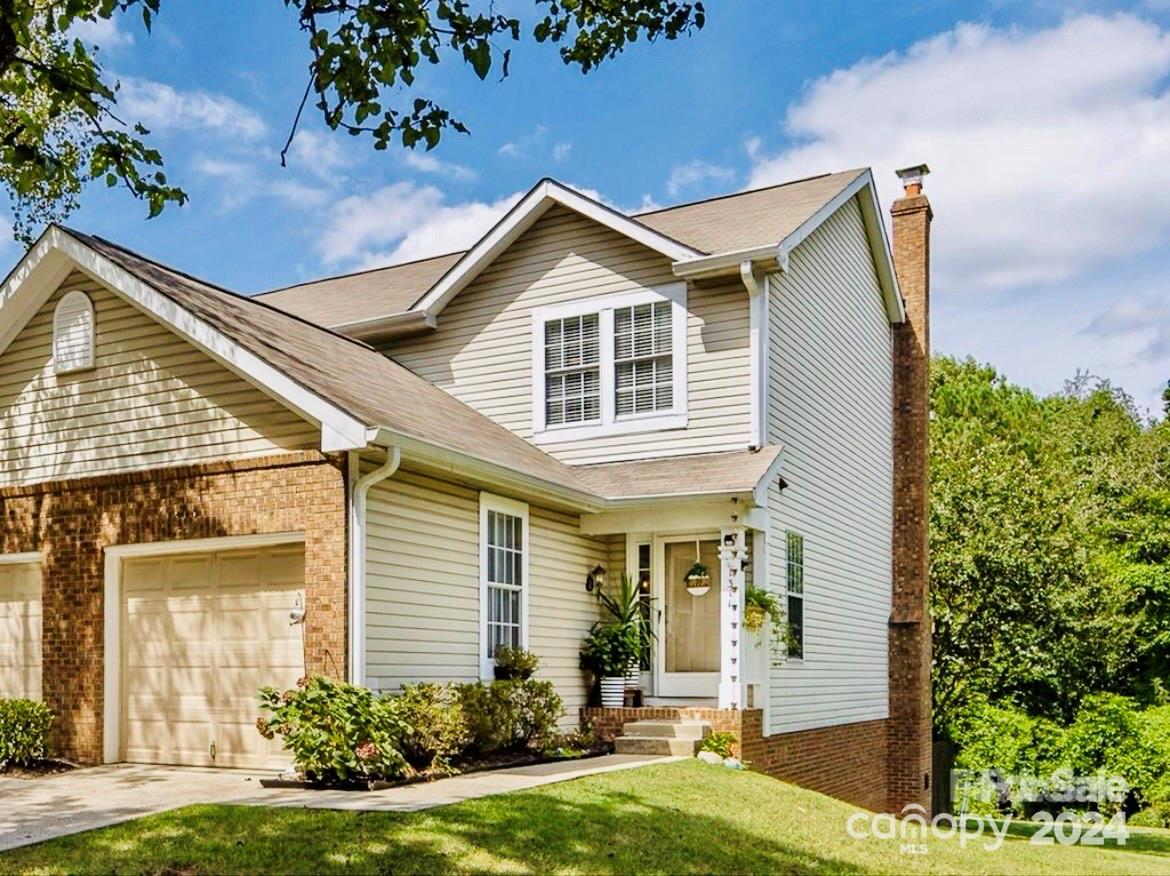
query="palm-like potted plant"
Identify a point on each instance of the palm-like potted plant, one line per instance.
(697, 580)
(613, 651)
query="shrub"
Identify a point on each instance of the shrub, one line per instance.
(719, 742)
(336, 731)
(24, 732)
(610, 649)
(1153, 816)
(515, 663)
(505, 715)
(434, 727)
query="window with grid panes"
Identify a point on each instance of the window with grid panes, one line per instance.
(572, 368)
(795, 590)
(643, 358)
(505, 585)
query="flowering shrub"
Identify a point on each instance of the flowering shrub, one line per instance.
(336, 732)
(24, 732)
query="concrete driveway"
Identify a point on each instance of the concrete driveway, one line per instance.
(34, 810)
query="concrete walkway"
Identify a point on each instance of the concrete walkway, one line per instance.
(34, 810)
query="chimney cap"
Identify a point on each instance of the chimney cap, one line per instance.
(912, 177)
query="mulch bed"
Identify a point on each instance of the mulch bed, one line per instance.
(498, 761)
(38, 769)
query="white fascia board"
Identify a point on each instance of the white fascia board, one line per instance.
(673, 517)
(883, 257)
(29, 285)
(520, 218)
(460, 463)
(724, 262)
(339, 429)
(760, 493)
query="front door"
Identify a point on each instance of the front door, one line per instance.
(687, 649)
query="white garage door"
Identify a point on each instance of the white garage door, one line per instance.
(201, 634)
(20, 630)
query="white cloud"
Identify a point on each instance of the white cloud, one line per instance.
(1048, 147)
(318, 153)
(522, 145)
(161, 107)
(244, 181)
(694, 173)
(425, 162)
(561, 151)
(101, 32)
(1144, 321)
(404, 221)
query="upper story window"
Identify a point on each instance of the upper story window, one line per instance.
(572, 367)
(610, 365)
(642, 343)
(73, 330)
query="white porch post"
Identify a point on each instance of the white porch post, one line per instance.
(732, 554)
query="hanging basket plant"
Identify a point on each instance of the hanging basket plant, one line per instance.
(760, 606)
(697, 580)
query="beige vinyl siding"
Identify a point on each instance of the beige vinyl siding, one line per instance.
(482, 351)
(422, 588)
(152, 400)
(830, 406)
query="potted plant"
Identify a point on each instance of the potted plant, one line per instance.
(608, 651)
(697, 580)
(627, 608)
(759, 606)
(513, 664)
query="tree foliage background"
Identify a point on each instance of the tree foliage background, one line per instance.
(60, 126)
(1050, 555)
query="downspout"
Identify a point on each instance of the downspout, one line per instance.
(359, 489)
(758, 349)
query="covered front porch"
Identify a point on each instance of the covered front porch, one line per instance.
(702, 658)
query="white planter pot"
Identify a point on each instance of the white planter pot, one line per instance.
(698, 591)
(613, 692)
(634, 675)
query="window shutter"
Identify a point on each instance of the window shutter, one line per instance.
(73, 333)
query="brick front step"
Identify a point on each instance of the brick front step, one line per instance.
(656, 745)
(666, 729)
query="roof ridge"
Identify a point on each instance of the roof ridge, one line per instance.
(358, 273)
(251, 299)
(742, 192)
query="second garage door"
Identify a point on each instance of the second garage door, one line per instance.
(20, 630)
(201, 633)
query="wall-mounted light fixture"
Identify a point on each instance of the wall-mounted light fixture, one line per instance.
(595, 580)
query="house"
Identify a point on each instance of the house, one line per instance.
(384, 475)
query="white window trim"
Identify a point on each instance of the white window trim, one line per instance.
(610, 423)
(492, 502)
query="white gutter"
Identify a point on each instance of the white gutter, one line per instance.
(359, 489)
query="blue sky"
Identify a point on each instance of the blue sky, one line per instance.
(1047, 126)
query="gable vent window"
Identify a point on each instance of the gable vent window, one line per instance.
(610, 365)
(73, 333)
(572, 362)
(642, 356)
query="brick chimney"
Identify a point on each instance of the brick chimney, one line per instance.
(908, 732)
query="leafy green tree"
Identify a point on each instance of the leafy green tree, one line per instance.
(1050, 545)
(59, 127)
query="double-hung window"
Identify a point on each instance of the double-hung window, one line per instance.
(610, 365)
(503, 569)
(795, 591)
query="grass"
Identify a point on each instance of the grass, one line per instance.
(683, 817)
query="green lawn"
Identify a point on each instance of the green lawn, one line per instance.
(683, 817)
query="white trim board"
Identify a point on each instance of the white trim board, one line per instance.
(57, 253)
(21, 559)
(520, 218)
(492, 502)
(610, 423)
(112, 613)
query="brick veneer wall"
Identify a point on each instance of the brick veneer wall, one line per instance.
(71, 522)
(909, 730)
(847, 761)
